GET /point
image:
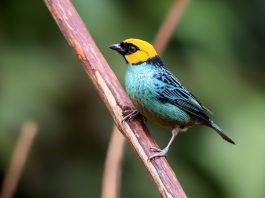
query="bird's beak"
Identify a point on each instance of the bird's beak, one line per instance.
(118, 48)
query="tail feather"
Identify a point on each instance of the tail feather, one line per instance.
(221, 132)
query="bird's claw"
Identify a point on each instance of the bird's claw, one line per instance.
(154, 149)
(159, 153)
(129, 114)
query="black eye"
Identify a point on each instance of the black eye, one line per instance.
(132, 49)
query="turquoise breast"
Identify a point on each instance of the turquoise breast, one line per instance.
(139, 85)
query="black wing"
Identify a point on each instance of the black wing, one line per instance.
(168, 89)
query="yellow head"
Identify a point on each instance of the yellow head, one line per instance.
(135, 50)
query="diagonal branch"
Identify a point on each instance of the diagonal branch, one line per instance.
(113, 95)
(19, 158)
(170, 23)
(113, 165)
(112, 171)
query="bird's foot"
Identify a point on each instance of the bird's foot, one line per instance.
(130, 114)
(159, 153)
(163, 152)
(154, 149)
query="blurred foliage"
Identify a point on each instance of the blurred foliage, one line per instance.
(217, 52)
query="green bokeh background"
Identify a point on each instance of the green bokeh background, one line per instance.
(218, 54)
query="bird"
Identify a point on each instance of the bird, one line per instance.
(158, 95)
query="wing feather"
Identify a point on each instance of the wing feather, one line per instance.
(169, 89)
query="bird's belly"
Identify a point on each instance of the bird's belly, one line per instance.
(153, 116)
(166, 115)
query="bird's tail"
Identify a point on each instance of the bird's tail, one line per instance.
(220, 132)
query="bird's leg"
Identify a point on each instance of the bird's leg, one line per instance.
(163, 152)
(129, 114)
